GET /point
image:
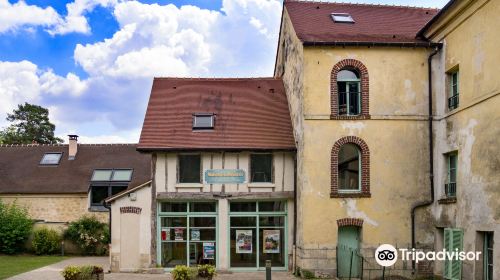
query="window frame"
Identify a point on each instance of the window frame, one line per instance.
(178, 180)
(449, 169)
(340, 190)
(51, 164)
(109, 184)
(487, 262)
(454, 91)
(212, 121)
(250, 173)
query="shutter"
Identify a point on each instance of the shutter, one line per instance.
(447, 247)
(457, 243)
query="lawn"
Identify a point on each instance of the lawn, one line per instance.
(13, 265)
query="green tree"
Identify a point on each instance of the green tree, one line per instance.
(30, 123)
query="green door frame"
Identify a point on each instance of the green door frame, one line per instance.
(188, 215)
(257, 214)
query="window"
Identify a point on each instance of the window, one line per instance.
(488, 256)
(51, 159)
(454, 90)
(451, 178)
(203, 121)
(342, 17)
(189, 168)
(349, 167)
(106, 183)
(453, 239)
(349, 95)
(261, 168)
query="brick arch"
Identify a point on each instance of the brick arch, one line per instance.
(365, 97)
(350, 222)
(365, 167)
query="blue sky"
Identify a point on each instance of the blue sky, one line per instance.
(91, 62)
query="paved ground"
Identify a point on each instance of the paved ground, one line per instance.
(52, 272)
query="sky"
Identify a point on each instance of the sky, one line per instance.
(92, 62)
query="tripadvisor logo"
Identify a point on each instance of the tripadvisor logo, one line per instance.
(387, 255)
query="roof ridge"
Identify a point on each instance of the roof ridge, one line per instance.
(360, 4)
(218, 78)
(64, 145)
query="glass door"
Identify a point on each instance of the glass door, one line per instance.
(187, 233)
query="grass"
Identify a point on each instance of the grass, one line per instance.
(13, 265)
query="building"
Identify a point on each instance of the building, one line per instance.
(356, 77)
(466, 205)
(60, 183)
(222, 191)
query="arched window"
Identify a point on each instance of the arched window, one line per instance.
(349, 92)
(349, 168)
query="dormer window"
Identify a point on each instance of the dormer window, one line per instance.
(51, 159)
(203, 121)
(342, 17)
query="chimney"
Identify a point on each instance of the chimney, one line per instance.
(72, 147)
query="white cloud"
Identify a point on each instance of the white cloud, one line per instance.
(24, 82)
(17, 15)
(75, 20)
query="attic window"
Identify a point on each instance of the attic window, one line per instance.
(51, 159)
(203, 121)
(123, 175)
(342, 17)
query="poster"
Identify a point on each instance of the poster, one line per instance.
(195, 234)
(165, 234)
(179, 234)
(243, 241)
(208, 250)
(271, 240)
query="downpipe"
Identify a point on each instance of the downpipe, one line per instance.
(431, 157)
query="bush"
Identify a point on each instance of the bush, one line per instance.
(86, 272)
(182, 272)
(46, 241)
(15, 227)
(206, 271)
(89, 234)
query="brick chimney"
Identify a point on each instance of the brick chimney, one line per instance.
(72, 147)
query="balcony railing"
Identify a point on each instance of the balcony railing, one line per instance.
(450, 189)
(453, 102)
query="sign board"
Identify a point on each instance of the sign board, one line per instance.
(225, 176)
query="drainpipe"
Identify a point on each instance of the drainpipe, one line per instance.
(294, 213)
(108, 206)
(431, 157)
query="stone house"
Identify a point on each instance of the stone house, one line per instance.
(60, 183)
(223, 183)
(466, 153)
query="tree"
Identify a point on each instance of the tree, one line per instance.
(30, 123)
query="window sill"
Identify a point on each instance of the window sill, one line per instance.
(447, 200)
(261, 185)
(98, 209)
(345, 117)
(350, 195)
(189, 185)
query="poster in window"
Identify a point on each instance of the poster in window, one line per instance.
(243, 241)
(179, 234)
(208, 250)
(195, 234)
(165, 234)
(271, 240)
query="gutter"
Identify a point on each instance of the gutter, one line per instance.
(431, 157)
(371, 44)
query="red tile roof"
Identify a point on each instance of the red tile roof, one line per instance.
(250, 113)
(21, 172)
(373, 23)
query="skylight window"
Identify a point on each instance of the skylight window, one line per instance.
(123, 175)
(51, 159)
(342, 17)
(203, 121)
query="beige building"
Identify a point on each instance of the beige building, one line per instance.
(467, 132)
(223, 179)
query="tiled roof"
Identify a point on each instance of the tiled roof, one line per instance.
(21, 173)
(373, 23)
(251, 113)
